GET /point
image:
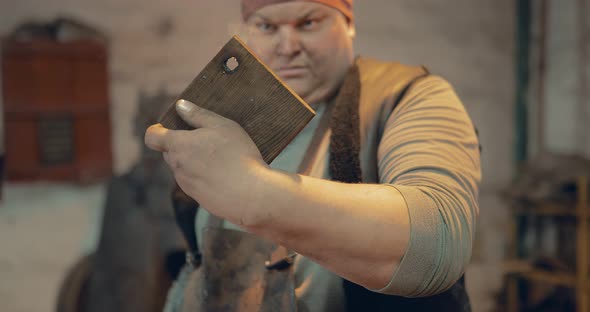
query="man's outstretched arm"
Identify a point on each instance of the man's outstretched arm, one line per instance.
(410, 235)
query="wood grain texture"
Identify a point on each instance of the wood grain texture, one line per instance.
(268, 110)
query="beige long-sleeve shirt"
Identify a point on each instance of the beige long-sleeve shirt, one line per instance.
(429, 152)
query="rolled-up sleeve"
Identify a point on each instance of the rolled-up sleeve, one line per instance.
(429, 152)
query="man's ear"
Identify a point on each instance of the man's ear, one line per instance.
(351, 30)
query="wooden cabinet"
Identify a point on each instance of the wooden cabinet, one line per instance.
(56, 110)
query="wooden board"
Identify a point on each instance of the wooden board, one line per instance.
(250, 94)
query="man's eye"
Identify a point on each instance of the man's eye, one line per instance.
(309, 24)
(265, 27)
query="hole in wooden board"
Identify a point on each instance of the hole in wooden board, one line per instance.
(231, 64)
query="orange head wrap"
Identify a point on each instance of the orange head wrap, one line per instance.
(250, 6)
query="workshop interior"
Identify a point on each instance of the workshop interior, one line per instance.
(85, 205)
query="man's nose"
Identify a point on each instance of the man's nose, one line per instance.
(289, 43)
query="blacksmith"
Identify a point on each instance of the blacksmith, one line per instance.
(384, 215)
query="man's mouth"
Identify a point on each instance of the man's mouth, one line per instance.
(291, 71)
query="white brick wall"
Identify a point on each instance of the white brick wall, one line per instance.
(140, 57)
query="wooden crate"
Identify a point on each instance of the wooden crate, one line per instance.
(56, 110)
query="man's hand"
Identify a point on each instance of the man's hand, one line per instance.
(214, 164)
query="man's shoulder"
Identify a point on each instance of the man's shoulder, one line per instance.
(388, 72)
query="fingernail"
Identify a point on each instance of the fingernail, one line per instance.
(184, 106)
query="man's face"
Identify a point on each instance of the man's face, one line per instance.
(307, 44)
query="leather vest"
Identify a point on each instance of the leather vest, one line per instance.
(345, 166)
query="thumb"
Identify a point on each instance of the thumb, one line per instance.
(197, 116)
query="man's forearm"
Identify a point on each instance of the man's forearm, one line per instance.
(358, 231)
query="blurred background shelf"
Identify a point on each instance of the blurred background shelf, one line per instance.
(519, 268)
